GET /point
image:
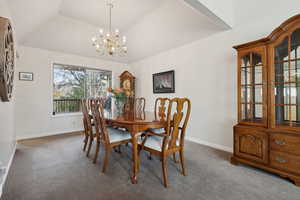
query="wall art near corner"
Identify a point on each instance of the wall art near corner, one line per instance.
(26, 76)
(7, 59)
(164, 82)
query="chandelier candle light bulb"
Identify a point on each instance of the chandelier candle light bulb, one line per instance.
(117, 32)
(110, 43)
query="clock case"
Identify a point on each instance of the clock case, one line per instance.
(128, 76)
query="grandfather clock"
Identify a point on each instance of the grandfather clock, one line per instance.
(127, 81)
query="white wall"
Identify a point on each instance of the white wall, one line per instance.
(34, 99)
(257, 10)
(7, 132)
(221, 12)
(205, 71)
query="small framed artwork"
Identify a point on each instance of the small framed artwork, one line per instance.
(25, 76)
(164, 82)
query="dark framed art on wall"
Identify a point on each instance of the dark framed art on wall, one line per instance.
(164, 82)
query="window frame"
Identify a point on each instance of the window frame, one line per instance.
(52, 86)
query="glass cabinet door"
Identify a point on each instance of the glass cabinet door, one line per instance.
(252, 89)
(287, 81)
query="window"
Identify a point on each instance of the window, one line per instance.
(72, 83)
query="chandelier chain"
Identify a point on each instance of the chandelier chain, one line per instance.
(110, 7)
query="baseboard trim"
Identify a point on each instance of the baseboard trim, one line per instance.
(7, 169)
(209, 144)
(192, 139)
(19, 139)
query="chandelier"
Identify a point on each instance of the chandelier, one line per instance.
(110, 43)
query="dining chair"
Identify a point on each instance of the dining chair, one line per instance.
(88, 125)
(98, 100)
(160, 113)
(88, 103)
(109, 136)
(172, 139)
(160, 108)
(139, 104)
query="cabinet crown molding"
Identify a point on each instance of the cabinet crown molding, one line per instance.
(275, 34)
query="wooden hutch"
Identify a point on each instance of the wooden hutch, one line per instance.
(267, 135)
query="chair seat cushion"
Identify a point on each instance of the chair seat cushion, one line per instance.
(116, 135)
(157, 130)
(155, 142)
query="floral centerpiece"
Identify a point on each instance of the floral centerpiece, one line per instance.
(121, 97)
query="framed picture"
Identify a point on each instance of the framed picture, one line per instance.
(26, 76)
(164, 82)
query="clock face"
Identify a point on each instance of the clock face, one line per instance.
(7, 60)
(126, 84)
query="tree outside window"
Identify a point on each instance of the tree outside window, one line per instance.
(72, 83)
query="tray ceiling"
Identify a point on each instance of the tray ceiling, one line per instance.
(151, 26)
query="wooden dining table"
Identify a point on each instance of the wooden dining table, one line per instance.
(136, 123)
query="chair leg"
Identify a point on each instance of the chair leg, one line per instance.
(182, 162)
(165, 171)
(150, 156)
(85, 141)
(106, 158)
(174, 158)
(97, 152)
(139, 163)
(119, 149)
(89, 147)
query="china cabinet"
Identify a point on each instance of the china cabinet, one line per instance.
(268, 131)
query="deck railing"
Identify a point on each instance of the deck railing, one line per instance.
(66, 106)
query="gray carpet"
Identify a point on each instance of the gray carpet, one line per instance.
(56, 169)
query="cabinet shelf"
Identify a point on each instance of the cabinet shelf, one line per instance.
(286, 83)
(259, 103)
(252, 66)
(287, 60)
(287, 104)
(252, 85)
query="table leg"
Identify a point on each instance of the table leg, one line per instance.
(135, 158)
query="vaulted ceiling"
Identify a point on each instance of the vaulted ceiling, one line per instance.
(151, 26)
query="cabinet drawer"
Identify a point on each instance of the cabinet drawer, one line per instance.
(251, 143)
(285, 161)
(285, 143)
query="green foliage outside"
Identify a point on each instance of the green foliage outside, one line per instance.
(73, 83)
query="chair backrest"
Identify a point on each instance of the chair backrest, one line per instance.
(99, 100)
(86, 117)
(139, 104)
(179, 111)
(88, 103)
(161, 108)
(100, 124)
